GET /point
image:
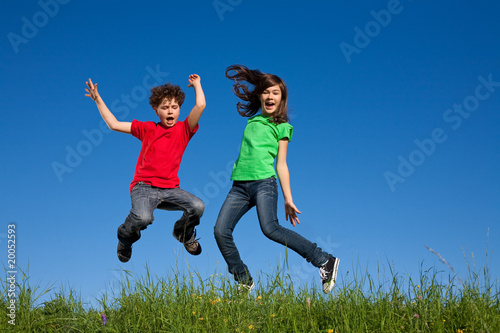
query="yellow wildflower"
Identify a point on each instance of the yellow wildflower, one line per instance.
(330, 330)
(273, 315)
(250, 327)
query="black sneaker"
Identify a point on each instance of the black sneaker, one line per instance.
(191, 245)
(124, 253)
(328, 273)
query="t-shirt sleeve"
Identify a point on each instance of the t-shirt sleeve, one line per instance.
(285, 130)
(138, 129)
(187, 129)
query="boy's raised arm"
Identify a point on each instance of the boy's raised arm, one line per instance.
(197, 110)
(109, 118)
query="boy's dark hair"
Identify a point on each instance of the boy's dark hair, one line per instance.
(168, 91)
(260, 82)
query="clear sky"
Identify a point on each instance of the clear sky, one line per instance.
(395, 107)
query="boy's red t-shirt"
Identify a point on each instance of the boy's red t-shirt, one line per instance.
(161, 152)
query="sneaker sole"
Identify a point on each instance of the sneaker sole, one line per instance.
(328, 285)
(196, 252)
(122, 257)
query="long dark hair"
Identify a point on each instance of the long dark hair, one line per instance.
(260, 82)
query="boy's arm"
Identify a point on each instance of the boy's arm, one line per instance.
(197, 110)
(284, 177)
(109, 118)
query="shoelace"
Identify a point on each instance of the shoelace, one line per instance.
(323, 273)
(193, 239)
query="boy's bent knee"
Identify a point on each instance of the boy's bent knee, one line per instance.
(140, 221)
(198, 208)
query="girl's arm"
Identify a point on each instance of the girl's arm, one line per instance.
(109, 118)
(196, 112)
(284, 177)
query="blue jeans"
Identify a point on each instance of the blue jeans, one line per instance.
(146, 198)
(264, 195)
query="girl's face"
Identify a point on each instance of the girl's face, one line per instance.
(270, 100)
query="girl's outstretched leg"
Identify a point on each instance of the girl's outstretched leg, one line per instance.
(266, 198)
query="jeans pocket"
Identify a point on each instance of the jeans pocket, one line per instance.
(271, 181)
(268, 186)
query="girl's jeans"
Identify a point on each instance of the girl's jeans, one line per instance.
(146, 198)
(264, 195)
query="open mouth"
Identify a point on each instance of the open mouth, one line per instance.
(269, 105)
(170, 120)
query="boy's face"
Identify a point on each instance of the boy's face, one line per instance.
(168, 111)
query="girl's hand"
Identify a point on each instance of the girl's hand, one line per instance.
(291, 212)
(92, 90)
(194, 79)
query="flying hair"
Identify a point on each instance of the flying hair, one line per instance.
(250, 95)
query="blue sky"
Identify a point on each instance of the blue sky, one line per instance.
(395, 108)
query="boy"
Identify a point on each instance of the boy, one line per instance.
(155, 183)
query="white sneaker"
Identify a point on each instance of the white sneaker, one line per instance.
(245, 288)
(328, 273)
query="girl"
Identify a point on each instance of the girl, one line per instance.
(265, 138)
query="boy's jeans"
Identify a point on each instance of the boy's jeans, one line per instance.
(146, 198)
(264, 195)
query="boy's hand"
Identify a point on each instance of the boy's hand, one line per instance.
(106, 114)
(92, 90)
(194, 79)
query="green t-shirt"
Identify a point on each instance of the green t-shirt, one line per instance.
(259, 148)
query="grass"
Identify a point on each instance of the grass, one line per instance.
(187, 303)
